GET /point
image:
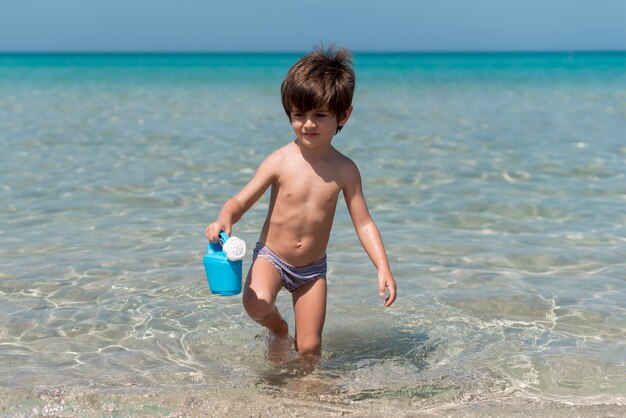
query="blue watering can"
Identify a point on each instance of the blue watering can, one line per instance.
(223, 265)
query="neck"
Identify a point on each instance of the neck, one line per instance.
(313, 152)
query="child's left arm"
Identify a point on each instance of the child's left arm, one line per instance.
(368, 233)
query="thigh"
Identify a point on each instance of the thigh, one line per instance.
(309, 306)
(263, 281)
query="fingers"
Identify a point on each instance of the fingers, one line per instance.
(212, 232)
(392, 296)
(382, 286)
(389, 285)
(209, 234)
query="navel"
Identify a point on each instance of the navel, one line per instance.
(299, 245)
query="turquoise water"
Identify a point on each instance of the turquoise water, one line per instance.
(497, 180)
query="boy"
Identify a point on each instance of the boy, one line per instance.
(306, 177)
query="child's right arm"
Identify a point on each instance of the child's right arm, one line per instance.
(236, 206)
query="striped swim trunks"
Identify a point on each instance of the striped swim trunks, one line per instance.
(292, 277)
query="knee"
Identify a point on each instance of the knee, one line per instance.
(257, 307)
(310, 345)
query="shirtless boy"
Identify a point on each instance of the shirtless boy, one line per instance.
(306, 177)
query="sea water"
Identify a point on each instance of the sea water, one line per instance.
(498, 182)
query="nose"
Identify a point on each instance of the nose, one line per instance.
(309, 123)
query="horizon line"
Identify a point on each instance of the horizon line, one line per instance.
(269, 52)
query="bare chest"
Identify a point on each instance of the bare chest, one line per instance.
(308, 190)
(308, 187)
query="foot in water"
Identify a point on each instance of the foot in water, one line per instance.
(279, 348)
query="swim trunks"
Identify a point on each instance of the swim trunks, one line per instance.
(292, 277)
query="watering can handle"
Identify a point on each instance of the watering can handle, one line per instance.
(223, 237)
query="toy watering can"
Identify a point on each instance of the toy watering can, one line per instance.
(222, 264)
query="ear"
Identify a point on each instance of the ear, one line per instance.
(346, 116)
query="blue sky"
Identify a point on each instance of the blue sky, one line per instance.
(292, 25)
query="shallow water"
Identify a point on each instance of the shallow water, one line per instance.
(498, 182)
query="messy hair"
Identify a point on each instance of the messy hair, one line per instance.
(322, 77)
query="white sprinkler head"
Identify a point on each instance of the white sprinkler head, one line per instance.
(234, 248)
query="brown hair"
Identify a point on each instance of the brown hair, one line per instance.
(322, 77)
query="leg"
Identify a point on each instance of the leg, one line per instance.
(259, 296)
(309, 305)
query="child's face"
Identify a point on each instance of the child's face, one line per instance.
(316, 127)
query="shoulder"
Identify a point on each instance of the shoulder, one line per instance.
(345, 164)
(276, 159)
(282, 154)
(348, 170)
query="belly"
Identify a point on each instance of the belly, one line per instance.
(298, 237)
